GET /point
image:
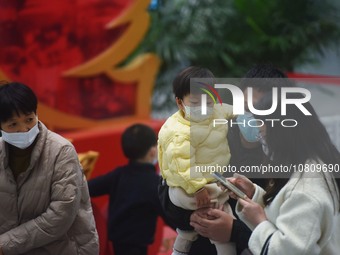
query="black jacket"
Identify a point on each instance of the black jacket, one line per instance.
(133, 202)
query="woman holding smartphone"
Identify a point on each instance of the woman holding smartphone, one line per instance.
(298, 212)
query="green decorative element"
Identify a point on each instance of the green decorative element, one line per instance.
(230, 36)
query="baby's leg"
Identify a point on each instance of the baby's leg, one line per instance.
(183, 242)
(225, 248)
(181, 199)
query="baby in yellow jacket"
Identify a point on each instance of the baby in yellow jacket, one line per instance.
(188, 143)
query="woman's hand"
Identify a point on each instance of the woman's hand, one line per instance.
(244, 184)
(253, 212)
(212, 223)
(1, 253)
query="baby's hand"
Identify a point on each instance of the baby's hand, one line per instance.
(202, 198)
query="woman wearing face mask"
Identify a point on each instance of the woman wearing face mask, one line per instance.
(44, 196)
(244, 142)
(298, 213)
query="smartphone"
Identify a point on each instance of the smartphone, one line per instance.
(229, 185)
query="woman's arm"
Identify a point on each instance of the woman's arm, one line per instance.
(296, 230)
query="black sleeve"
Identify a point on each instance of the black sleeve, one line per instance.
(101, 185)
(240, 235)
(174, 216)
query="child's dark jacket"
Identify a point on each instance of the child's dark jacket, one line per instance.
(133, 202)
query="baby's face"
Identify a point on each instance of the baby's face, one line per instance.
(191, 106)
(194, 100)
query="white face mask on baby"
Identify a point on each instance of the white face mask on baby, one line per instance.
(194, 113)
(21, 140)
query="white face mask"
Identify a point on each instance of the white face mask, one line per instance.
(21, 140)
(194, 113)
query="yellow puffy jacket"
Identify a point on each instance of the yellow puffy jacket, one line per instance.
(186, 149)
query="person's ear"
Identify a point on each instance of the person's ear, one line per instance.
(179, 103)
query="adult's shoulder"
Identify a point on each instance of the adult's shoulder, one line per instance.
(51, 142)
(54, 138)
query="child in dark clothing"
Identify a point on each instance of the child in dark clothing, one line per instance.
(134, 204)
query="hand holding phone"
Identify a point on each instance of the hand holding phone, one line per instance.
(229, 185)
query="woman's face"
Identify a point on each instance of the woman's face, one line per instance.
(19, 123)
(256, 96)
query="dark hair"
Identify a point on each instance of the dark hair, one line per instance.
(263, 77)
(308, 140)
(16, 98)
(137, 141)
(181, 84)
(265, 70)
